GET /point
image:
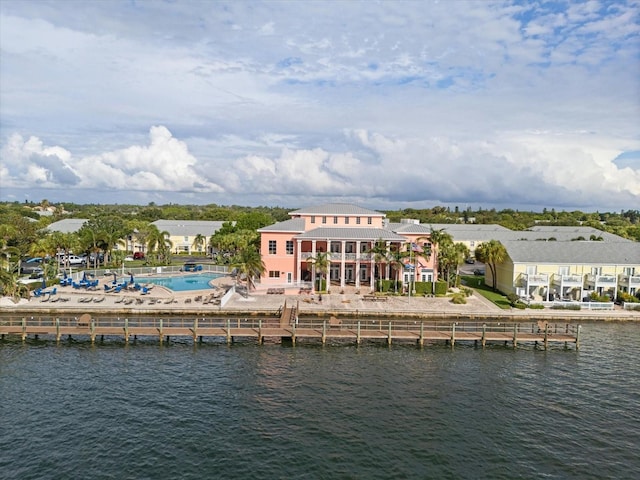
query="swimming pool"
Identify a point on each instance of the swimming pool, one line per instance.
(185, 283)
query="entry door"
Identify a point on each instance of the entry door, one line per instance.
(289, 277)
(348, 272)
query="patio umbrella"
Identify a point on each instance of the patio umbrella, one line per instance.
(44, 283)
(131, 279)
(115, 277)
(84, 276)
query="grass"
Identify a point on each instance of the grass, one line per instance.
(486, 291)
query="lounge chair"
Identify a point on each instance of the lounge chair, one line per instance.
(128, 301)
(98, 299)
(120, 300)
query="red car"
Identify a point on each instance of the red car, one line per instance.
(138, 255)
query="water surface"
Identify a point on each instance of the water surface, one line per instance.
(145, 411)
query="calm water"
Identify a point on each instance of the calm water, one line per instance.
(185, 282)
(146, 411)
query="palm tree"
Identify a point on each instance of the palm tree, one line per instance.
(249, 265)
(199, 241)
(11, 287)
(396, 257)
(158, 244)
(319, 264)
(491, 253)
(380, 252)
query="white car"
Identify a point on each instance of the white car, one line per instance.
(72, 260)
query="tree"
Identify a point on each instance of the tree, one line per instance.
(319, 264)
(491, 253)
(249, 265)
(396, 257)
(379, 250)
(199, 242)
(11, 287)
(159, 245)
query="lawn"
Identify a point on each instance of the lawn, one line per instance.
(478, 284)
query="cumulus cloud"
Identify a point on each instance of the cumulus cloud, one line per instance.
(476, 102)
(165, 164)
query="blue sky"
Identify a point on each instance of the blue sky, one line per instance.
(385, 104)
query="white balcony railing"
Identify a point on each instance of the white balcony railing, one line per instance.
(602, 279)
(536, 279)
(568, 280)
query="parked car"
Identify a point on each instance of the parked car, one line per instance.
(470, 260)
(138, 256)
(72, 260)
(478, 271)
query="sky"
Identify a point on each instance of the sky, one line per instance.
(385, 104)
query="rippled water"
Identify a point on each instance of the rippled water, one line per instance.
(113, 411)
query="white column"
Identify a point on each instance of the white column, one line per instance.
(343, 245)
(358, 264)
(372, 276)
(299, 262)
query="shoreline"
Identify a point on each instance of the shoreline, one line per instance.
(164, 302)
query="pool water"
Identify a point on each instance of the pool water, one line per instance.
(185, 282)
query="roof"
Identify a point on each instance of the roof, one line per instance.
(418, 228)
(356, 233)
(68, 225)
(189, 228)
(578, 252)
(337, 209)
(291, 225)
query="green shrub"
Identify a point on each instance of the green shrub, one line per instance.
(519, 305)
(441, 288)
(459, 299)
(627, 297)
(513, 298)
(569, 306)
(467, 291)
(536, 306)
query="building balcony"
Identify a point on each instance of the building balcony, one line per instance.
(629, 281)
(568, 280)
(602, 280)
(536, 279)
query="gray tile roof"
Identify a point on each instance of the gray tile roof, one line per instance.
(337, 233)
(292, 225)
(189, 228)
(584, 253)
(68, 225)
(413, 228)
(337, 209)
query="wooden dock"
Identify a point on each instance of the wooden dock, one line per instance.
(354, 331)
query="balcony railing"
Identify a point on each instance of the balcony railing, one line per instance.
(575, 280)
(629, 280)
(536, 279)
(602, 279)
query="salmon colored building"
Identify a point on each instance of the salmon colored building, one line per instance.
(347, 234)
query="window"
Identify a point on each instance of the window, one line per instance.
(346, 220)
(274, 274)
(186, 239)
(324, 219)
(563, 271)
(272, 247)
(313, 219)
(368, 220)
(289, 247)
(629, 271)
(357, 220)
(335, 220)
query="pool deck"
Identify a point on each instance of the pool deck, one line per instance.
(162, 301)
